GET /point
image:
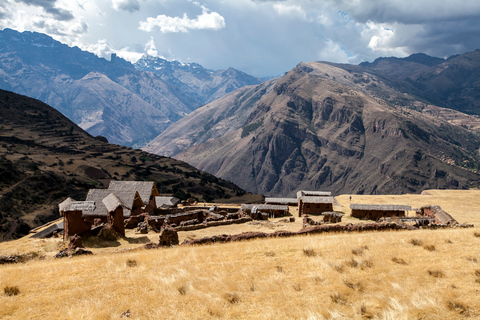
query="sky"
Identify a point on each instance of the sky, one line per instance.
(259, 37)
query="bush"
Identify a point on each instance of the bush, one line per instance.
(11, 291)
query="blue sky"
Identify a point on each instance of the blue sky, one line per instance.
(260, 37)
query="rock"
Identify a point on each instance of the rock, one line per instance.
(61, 254)
(75, 242)
(81, 251)
(142, 228)
(108, 233)
(7, 259)
(168, 237)
(151, 245)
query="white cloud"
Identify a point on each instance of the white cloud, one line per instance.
(127, 5)
(150, 48)
(166, 24)
(290, 10)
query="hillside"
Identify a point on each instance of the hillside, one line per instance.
(325, 126)
(44, 158)
(108, 98)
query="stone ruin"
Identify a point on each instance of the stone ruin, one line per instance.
(168, 237)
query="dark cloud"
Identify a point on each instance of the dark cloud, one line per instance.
(49, 7)
(127, 5)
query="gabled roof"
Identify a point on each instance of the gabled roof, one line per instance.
(127, 198)
(380, 207)
(281, 200)
(264, 207)
(81, 206)
(65, 204)
(303, 193)
(166, 201)
(112, 202)
(321, 199)
(144, 188)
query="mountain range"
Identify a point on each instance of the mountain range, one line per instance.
(391, 126)
(113, 99)
(45, 158)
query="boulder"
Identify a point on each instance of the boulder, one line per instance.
(81, 251)
(75, 242)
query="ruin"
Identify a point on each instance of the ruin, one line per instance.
(377, 211)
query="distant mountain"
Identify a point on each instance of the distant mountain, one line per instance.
(202, 85)
(45, 158)
(107, 98)
(325, 126)
(453, 83)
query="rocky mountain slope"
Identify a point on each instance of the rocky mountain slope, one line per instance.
(323, 126)
(44, 158)
(200, 84)
(452, 83)
(107, 98)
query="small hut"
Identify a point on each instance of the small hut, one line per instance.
(72, 212)
(377, 211)
(314, 205)
(114, 212)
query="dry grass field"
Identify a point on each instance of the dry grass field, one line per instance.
(424, 274)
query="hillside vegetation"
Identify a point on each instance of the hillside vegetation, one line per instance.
(424, 274)
(45, 158)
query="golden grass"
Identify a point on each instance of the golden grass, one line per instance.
(265, 278)
(424, 274)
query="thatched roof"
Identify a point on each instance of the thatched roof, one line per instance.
(303, 193)
(331, 213)
(264, 207)
(144, 188)
(380, 207)
(65, 204)
(322, 199)
(81, 206)
(127, 198)
(111, 202)
(166, 202)
(281, 200)
(441, 215)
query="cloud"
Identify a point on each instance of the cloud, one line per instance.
(50, 7)
(290, 10)
(150, 48)
(127, 5)
(166, 24)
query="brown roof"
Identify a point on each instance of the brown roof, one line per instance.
(281, 200)
(441, 215)
(322, 199)
(144, 188)
(303, 193)
(127, 198)
(380, 207)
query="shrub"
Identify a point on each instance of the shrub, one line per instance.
(309, 252)
(232, 297)
(182, 290)
(399, 261)
(476, 234)
(436, 273)
(359, 251)
(430, 247)
(11, 291)
(131, 263)
(416, 242)
(337, 298)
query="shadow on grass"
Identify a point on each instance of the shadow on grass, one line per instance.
(143, 239)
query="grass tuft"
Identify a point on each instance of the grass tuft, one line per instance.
(416, 242)
(11, 291)
(352, 263)
(429, 247)
(359, 251)
(232, 297)
(436, 273)
(270, 254)
(357, 286)
(472, 259)
(476, 234)
(279, 269)
(337, 298)
(399, 261)
(297, 287)
(366, 264)
(458, 307)
(131, 263)
(337, 267)
(309, 252)
(182, 290)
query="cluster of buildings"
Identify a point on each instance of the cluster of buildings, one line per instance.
(127, 203)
